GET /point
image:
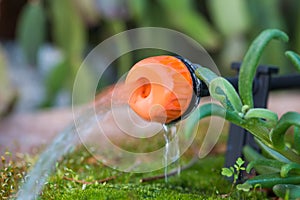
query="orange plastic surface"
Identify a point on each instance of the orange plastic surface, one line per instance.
(163, 88)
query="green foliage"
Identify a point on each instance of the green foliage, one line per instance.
(68, 29)
(190, 22)
(125, 61)
(32, 30)
(225, 93)
(270, 180)
(207, 110)
(235, 172)
(261, 113)
(228, 171)
(296, 145)
(223, 28)
(295, 58)
(285, 169)
(287, 191)
(250, 63)
(54, 82)
(70, 35)
(259, 122)
(287, 120)
(265, 166)
(239, 16)
(262, 123)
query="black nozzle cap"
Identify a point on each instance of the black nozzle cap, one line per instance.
(197, 87)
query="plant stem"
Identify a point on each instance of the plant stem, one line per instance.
(262, 133)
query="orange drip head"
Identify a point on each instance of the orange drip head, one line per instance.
(163, 88)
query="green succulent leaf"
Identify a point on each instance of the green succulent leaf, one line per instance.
(31, 30)
(287, 190)
(205, 74)
(221, 90)
(253, 156)
(250, 154)
(269, 180)
(295, 58)
(286, 121)
(200, 113)
(265, 114)
(272, 153)
(297, 138)
(68, 28)
(265, 166)
(250, 63)
(207, 110)
(285, 169)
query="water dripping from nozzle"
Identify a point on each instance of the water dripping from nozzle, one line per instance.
(172, 150)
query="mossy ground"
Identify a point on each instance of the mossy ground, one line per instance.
(80, 176)
(201, 181)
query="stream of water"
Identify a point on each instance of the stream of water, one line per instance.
(64, 143)
(172, 152)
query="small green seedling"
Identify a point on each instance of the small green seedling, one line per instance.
(235, 172)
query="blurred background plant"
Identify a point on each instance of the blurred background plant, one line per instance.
(43, 42)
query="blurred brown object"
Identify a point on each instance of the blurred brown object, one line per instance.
(27, 132)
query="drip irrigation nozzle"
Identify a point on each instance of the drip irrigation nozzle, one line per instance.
(167, 89)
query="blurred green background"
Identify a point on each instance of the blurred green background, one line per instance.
(43, 42)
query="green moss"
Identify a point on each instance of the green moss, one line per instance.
(201, 181)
